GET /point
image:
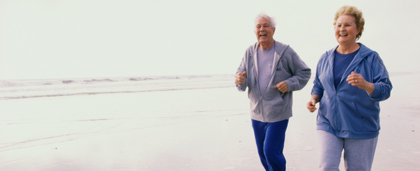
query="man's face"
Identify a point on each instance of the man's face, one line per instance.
(264, 31)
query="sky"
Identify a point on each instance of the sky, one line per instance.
(49, 39)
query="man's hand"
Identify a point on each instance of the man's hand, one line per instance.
(282, 86)
(240, 77)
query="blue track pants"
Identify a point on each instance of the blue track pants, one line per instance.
(270, 143)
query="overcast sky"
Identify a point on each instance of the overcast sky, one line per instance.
(108, 38)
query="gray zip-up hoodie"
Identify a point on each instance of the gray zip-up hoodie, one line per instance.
(273, 105)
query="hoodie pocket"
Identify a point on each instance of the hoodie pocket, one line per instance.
(275, 104)
(358, 119)
(325, 115)
(367, 122)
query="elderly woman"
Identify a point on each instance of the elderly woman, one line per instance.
(350, 81)
(271, 71)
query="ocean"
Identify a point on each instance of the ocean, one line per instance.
(22, 89)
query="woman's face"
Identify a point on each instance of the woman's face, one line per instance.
(346, 29)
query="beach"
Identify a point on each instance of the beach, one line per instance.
(174, 123)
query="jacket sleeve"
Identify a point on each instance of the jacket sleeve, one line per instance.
(301, 73)
(381, 80)
(318, 88)
(243, 67)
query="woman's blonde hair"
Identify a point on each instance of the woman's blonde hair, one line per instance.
(356, 13)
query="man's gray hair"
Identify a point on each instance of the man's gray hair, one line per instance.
(263, 15)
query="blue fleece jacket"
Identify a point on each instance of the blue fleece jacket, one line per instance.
(348, 111)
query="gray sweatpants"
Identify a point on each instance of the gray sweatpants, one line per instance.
(358, 153)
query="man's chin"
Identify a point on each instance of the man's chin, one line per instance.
(264, 40)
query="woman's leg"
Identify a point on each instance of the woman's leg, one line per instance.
(359, 153)
(331, 148)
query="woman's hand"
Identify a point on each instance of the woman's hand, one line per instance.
(358, 80)
(311, 104)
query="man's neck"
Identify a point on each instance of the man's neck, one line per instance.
(265, 46)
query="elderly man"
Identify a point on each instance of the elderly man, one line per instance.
(271, 71)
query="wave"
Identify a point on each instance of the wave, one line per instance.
(37, 82)
(23, 89)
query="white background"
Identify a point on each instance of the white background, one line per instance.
(109, 38)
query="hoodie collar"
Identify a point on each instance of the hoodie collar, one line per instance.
(363, 53)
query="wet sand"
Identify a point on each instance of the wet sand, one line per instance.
(196, 129)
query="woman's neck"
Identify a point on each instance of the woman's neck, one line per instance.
(346, 49)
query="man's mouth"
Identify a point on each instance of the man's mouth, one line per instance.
(261, 35)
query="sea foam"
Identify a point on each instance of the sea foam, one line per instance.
(22, 89)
